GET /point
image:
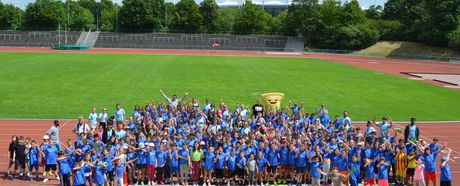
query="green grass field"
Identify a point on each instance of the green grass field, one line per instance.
(44, 85)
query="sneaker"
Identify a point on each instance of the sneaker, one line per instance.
(44, 173)
(284, 181)
(142, 182)
(275, 183)
(31, 179)
(45, 180)
(228, 183)
(51, 173)
(58, 178)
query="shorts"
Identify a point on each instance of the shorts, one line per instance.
(300, 170)
(272, 169)
(446, 183)
(369, 181)
(231, 173)
(345, 173)
(34, 166)
(419, 182)
(382, 182)
(291, 167)
(174, 170)
(109, 175)
(20, 163)
(50, 167)
(220, 173)
(410, 172)
(430, 176)
(141, 166)
(401, 173)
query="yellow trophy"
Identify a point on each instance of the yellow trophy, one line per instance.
(273, 100)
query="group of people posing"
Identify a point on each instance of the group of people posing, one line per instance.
(183, 142)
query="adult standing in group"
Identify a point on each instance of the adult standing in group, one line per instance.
(411, 131)
(53, 133)
(174, 101)
(93, 118)
(345, 120)
(80, 127)
(119, 114)
(103, 118)
(257, 108)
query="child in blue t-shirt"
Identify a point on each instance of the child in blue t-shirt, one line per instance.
(231, 166)
(354, 171)
(383, 172)
(173, 163)
(33, 159)
(161, 161)
(209, 160)
(64, 169)
(99, 173)
(151, 163)
(79, 173)
(261, 163)
(141, 164)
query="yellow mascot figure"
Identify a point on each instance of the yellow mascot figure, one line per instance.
(273, 100)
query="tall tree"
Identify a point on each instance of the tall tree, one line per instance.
(188, 17)
(226, 19)
(141, 15)
(441, 19)
(408, 13)
(210, 15)
(44, 14)
(374, 12)
(81, 18)
(352, 13)
(11, 17)
(251, 20)
(302, 18)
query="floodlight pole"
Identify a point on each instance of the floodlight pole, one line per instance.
(68, 21)
(97, 20)
(116, 26)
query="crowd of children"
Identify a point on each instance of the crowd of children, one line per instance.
(180, 142)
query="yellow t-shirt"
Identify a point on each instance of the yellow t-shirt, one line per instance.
(411, 162)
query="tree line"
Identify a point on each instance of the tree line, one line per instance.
(331, 24)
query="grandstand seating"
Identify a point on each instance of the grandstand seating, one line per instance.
(156, 40)
(36, 38)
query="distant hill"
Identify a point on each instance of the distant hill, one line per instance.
(388, 48)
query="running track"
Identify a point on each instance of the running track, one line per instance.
(446, 132)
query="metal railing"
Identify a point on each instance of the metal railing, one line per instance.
(452, 59)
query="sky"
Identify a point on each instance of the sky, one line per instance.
(23, 3)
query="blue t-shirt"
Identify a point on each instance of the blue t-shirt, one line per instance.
(314, 170)
(33, 156)
(51, 154)
(354, 169)
(99, 174)
(428, 160)
(341, 163)
(119, 170)
(173, 160)
(445, 173)
(383, 171)
(220, 164)
(141, 157)
(261, 164)
(64, 167)
(161, 158)
(152, 157)
(185, 154)
(79, 175)
(209, 161)
(284, 154)
(241, 163)
(272, 157)
(301, 160)
(369, 172)
(231, 163)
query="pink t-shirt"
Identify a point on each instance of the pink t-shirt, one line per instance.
(418, 174)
